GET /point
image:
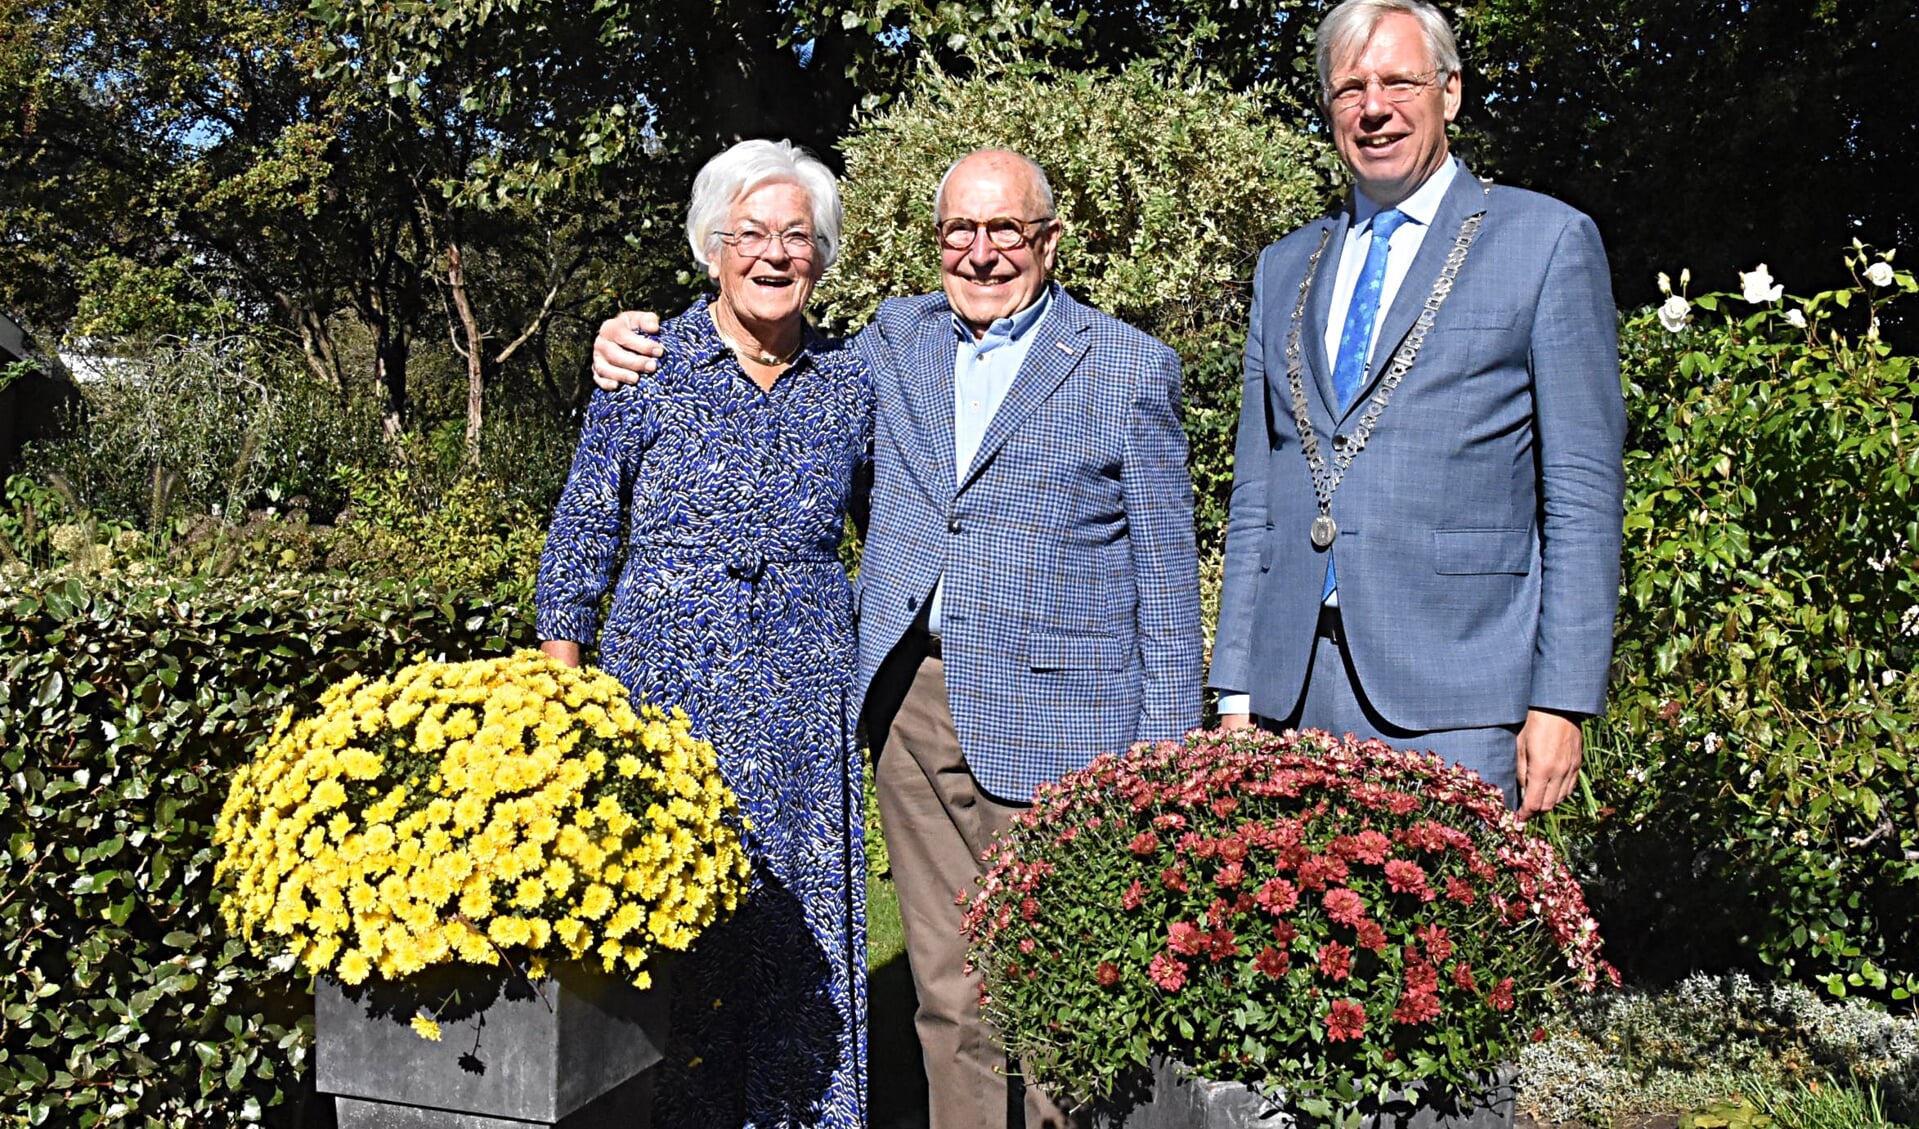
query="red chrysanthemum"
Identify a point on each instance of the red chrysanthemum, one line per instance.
(1107, 974)
(1335, 960)
(1167, 972)
(1346, 1020)
(1344, 905)
(1186, 938)
(1277, 896)
(1404, 876)
(1273, 962)
(1437, 943)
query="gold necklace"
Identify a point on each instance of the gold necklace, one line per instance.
(770, 360)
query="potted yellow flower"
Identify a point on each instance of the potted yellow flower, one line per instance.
(483, 863)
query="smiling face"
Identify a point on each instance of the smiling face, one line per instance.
(1392, 147)
(984, 283)
(765, 295)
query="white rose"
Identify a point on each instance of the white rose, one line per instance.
(1758, 286)
(1879, 274)
(1665, 283)
(1674, 312)
(1796, 318)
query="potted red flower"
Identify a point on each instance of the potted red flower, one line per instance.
(1329, 920)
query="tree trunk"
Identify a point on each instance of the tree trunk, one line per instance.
(475, 357)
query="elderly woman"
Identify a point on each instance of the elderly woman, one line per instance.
(725, 477)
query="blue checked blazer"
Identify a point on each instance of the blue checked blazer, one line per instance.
(1479, 528)
(1070, 611)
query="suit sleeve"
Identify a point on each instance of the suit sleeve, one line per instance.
(1158, 496)
(1580, 423)
(1246, 518)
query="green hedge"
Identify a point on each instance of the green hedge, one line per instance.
(123, 706)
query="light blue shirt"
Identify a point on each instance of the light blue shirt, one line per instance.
(1401, 249)
(1420, 208)
(983, 371)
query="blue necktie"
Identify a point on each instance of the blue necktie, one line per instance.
(1356, 339)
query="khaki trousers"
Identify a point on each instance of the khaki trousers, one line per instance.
(937, 823)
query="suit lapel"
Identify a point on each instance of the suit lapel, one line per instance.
(1465, 197)
(929, 387)
(1059, 344)
(1319, 367)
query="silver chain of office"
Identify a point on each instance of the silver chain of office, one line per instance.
(1324, 529)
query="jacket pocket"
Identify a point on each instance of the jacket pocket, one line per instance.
(1472, 552)
(1074, 652)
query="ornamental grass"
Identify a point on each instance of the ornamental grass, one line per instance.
(1330, 919)
(501, 810)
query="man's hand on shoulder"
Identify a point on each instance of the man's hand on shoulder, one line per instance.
(627, 345)
(1551, 747)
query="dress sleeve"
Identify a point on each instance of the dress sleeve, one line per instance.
(583, 540)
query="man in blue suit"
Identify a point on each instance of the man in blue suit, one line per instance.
(1028, 597)
(1425, 529)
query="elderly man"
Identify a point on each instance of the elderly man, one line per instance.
(1425, 530)
(1028, 597)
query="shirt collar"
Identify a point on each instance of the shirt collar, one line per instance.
(1005, 331)
(1420, 207)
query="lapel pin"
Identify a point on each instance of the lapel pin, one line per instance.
(1067, 349)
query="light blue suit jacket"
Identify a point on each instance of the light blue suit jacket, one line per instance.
(1070, 607)
(1480, 525)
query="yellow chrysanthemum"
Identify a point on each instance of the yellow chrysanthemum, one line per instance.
(455, 810)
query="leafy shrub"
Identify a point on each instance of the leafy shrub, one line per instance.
(1168, 189)
(1613, 1055)
(1766, 805)
(474, 536)
(123, 706)
(209, 427)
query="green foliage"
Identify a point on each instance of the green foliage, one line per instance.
(206, 426)
(472, 536)
(1610, 1057)
(123, 705)
(1168, 189)
(1766, 641)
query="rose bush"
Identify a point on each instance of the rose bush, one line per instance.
(1329, 917)
(1754, 791)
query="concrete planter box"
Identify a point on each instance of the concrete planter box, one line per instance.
(1182, 1102)
(576, 1054)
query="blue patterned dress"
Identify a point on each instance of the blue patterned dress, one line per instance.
(729, 503)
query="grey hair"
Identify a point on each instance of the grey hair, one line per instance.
(1346, 29)
(1032, 166)
(751, 165)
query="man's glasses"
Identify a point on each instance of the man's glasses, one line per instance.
(1351, 90)
(1003, 232)
(753, 243)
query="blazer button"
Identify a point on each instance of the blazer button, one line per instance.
(952, 525)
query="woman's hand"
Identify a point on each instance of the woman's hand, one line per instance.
(563, 651)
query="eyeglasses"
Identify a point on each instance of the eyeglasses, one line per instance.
(1351, 90)
(1003, 232)
(754, 243)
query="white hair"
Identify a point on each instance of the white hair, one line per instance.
(1040, 185)
(1346, 30)
(753, 164)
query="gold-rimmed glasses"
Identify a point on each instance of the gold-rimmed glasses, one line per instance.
(1351, 90)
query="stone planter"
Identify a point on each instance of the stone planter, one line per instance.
(575, 1054)
(1179, 1101)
